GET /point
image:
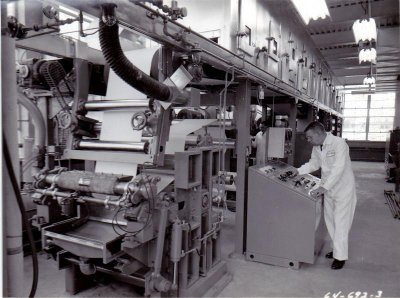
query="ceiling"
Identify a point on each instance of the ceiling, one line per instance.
(334, 37)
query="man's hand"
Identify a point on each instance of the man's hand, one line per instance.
(294, 171)
(318, 192)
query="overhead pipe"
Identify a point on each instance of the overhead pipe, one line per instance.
(120, 64)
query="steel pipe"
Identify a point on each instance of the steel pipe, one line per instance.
(67, 195)
(105, 105)
(217, 122)
(109, 145)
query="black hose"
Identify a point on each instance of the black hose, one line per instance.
(21, 206)
(111, 48)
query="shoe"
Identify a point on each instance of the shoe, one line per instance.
(329, 255)
(337, 264)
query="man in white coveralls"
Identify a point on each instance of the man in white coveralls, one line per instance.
(331, 155)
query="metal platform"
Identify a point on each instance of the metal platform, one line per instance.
(93, 239)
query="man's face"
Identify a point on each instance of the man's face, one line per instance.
(263, 128)
(314, 137)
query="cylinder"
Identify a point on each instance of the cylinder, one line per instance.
(231, 187)
(84, 181)
(192, 140)
(120, 187)
(93, 182)
(105, 105)
(87, 268)
(176, 242)
(116, 146)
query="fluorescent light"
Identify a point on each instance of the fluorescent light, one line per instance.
(364, 30)
(367, 55)
(311, 9)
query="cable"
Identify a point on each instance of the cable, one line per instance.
(75, 31)
(21, 206)
(123, 229)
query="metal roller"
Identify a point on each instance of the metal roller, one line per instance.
(228, 176)
(231, 187)
(103, 105)
(109, 145)
(95, 182)
(228, 143)
(84, 181)
(228, 123)
(191, 140)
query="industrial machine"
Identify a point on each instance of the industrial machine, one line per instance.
(285, 223)
(118, 196)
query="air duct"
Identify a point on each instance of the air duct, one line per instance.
(112, 51)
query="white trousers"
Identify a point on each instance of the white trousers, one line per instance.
(339, 215)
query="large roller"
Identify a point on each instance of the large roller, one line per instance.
(110, 145)
(97, 183)
(105, 105)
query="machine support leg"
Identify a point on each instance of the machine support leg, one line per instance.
(159, 283)
(242, 108)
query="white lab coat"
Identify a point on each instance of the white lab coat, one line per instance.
(261, 144)
(340, 199)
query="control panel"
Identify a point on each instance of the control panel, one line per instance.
(293, 231)
(283, 174)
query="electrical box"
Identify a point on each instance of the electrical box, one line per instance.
(279, 142)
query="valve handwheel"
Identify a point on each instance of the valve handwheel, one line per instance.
(138, 121)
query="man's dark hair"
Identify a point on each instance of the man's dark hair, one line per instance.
(315, 125)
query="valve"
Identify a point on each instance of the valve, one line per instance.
(138, 120)
(64, 120)
(175, 12)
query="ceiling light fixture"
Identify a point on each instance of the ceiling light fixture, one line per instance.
(311, 9)
(364, 29)
(367, 55)
(369, 80)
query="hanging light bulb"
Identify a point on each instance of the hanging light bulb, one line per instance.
(369, 80)
(364, 29)
(367, 55)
